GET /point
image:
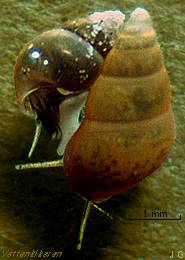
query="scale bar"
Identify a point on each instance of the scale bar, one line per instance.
(155, 218)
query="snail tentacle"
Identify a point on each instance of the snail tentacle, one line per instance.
(87, 209)
(36, 137)
(103, 211)
(50, 164)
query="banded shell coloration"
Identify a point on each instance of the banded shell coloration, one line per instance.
(128, 129)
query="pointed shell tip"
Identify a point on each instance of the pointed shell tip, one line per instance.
(140, 14)
(139, 20)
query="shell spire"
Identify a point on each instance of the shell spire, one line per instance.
(140, 22)
(139, 18)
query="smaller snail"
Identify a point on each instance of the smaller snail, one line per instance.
(54, 71)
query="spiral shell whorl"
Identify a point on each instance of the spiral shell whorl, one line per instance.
(140, 84)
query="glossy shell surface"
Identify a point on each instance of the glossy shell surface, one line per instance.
(57, 59)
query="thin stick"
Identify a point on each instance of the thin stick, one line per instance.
(57, 163)
(85, 216)
(38, 130)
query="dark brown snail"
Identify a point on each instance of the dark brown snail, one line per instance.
(128, 127)
(57, 66)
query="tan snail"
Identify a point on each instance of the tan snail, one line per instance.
(128, 127)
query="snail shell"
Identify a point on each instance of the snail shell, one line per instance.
(128, 128)
(55, 70)
(55, 60)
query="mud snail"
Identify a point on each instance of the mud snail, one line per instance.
(115, 68)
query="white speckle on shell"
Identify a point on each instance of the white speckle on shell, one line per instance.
(45, 62)
(67, 52)
(81, 71)
(35, 55)
(24, 70)
(93, 34)
(30, 46)
(100, 43)
(97, 28)
(111, 43)
(90, 51)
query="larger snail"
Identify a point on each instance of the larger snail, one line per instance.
(128, 127)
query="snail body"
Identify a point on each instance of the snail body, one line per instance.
(128, 129)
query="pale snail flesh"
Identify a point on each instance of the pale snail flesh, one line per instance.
(55, 70)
